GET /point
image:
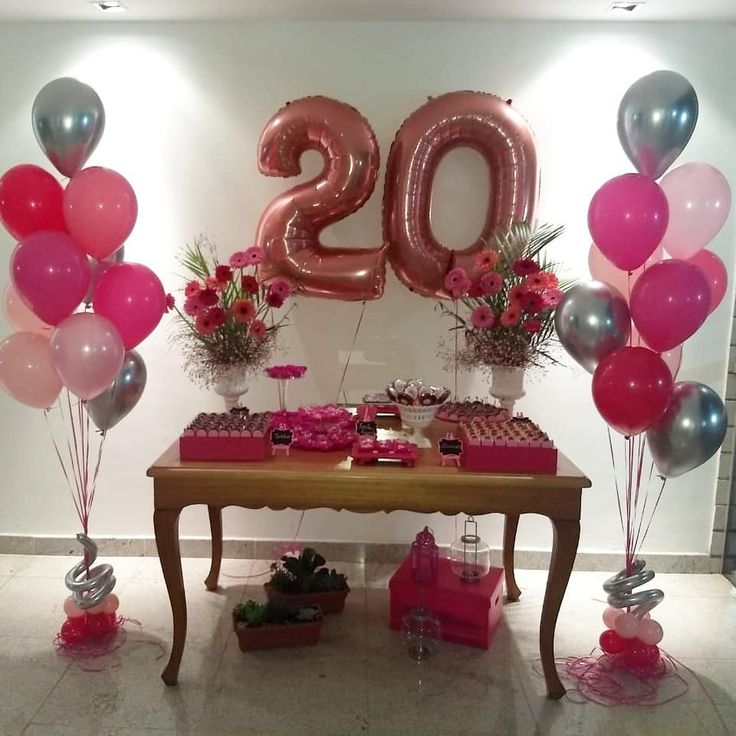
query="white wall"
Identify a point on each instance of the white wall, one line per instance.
(185, 106)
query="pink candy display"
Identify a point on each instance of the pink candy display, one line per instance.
(236, 435)
(462, 411)
(322, 428)
(369, 450)
(286, 371)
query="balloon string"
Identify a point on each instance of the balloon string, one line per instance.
(455, 358)
(61, 462)
(350, 352)
(615, 480)
(656, 503)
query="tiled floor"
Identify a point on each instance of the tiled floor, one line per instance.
(359, 680)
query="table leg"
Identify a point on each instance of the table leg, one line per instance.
(216, 529)
(509, 542)
(564, 549)
(166, 526)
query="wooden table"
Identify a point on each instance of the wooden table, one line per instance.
(308, 480)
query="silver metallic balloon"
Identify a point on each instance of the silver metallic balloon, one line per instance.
(68, 120)
(98, 268)
(89, 585)
(592, 321)
(107, 409)
(690, 431)
(656, 118)
(621, 586)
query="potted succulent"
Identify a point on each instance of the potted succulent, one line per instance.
(270, 625)
(305, 581)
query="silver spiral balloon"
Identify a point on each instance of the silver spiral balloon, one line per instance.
(89, 589)
(621, 587)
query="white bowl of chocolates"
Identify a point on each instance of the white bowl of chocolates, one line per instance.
(418, 403)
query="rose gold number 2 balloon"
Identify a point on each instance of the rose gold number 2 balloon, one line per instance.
(473, 119)
(290, 225)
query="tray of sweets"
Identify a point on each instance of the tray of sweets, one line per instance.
(367, 450)
(514, 446)
(462, 411)
(235, 436)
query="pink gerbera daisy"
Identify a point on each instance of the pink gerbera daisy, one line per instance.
(192, 288)
(170, 302)
(243, 310)
(281, 287)
(457, 282)
(239, 259)
(553, 297)
(475, 290)
(204, 324)
(482, 318)
(532, 303)
(517, 294)
(258, 329)
(486, 260)
(192, 306)
(208, 297)
(218, 316)
(525, 267)
(255, 255)
(549, 279)
(274, 300)
(535, 282)
(510, 317)
(491, 283)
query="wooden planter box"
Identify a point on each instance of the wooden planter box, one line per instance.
(272, 636)
(331, 602)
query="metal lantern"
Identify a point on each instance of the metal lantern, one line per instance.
(424, 556)
(470, 556)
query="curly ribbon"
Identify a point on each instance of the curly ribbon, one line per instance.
(620, 589)
(89, 585)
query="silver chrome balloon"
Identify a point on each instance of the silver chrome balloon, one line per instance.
(116, 402)
(89, 585)
(592, 321)
(68, 120)
(98, 267)
(690, 431)
(620, 589)
(656, 118)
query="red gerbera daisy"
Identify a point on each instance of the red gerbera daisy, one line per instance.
(525, 267)
(204, 324)
(218, 316)
(258, 329)
(511, 317)
(532, 325)
(249, 285)
(517, 294)
(274, 300)
(532, 303)
(243, 310)
(223, 275)
(170, 302)
(208, 297)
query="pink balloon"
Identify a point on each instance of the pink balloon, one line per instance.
(601, 269)
(22, 318)
(72, 609)
(51, 274)
(26, 370)
(627, 218)
(699, 201)
(610, 615)
(627, 625)
(100, 210)
(87, 353)
(649, 631)
(672, 358)
(715, 273)
(669, 303)
(131, 296)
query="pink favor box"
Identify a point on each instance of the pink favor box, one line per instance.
(508, 457)
(236, 449)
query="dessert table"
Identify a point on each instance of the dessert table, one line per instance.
(309, 480)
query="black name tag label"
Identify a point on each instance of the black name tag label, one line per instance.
(451, 447)
(366, 428)
(282, 437)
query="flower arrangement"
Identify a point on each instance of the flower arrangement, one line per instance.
(509, 302)
(227, 318)
(286, 372)
(305, 573)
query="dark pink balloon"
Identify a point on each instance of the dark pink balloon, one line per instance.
(131, 296)
(501, 135)
(631, 389)
(100, 209)
(669, 302)
(627, 218)
(51, 274)
(290, 226)
(715, 272)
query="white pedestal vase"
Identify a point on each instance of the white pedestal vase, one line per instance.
(231, 385)
(507, 385)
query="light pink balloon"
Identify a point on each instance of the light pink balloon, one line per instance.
(100, 210)
(627, 218)
(87, 354)
(699, 201)
(669, 303)
(610, 615)
(131, 296)
(51, 274)
(715, 272)
(627, 625)
(72, 609)
(20, 316)
(111, 603)
(601, 269)
(649, 631)
(26, 370)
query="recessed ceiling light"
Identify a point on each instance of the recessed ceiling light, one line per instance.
(109, 6)
(627, 5)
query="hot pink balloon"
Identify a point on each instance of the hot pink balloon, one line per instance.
(627, 218)
(601, 269)
(131, 296)
(715, 272)
(87, 353)
(669, 303)
(20, 316)
(26, 370)
(100, 210)
(51, 274)
(699, 202)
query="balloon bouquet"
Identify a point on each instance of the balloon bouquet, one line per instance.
(627, 328)
(70, 254)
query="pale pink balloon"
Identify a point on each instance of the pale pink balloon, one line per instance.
(601, 269)
(627, 625)
(100, 210)
(20, 316)
(87, 354)
(649, 631)
(71, 609)
(715, 273)
(610, 615)
(26, 370)
(699, 199)
(672, 358)
(111, 603)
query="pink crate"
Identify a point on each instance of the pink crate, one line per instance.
(235, 449)
(469, 613)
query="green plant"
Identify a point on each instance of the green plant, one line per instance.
(305, 574)
(254, 614)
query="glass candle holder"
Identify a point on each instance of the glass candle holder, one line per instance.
(422, 633)
(470, 556)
